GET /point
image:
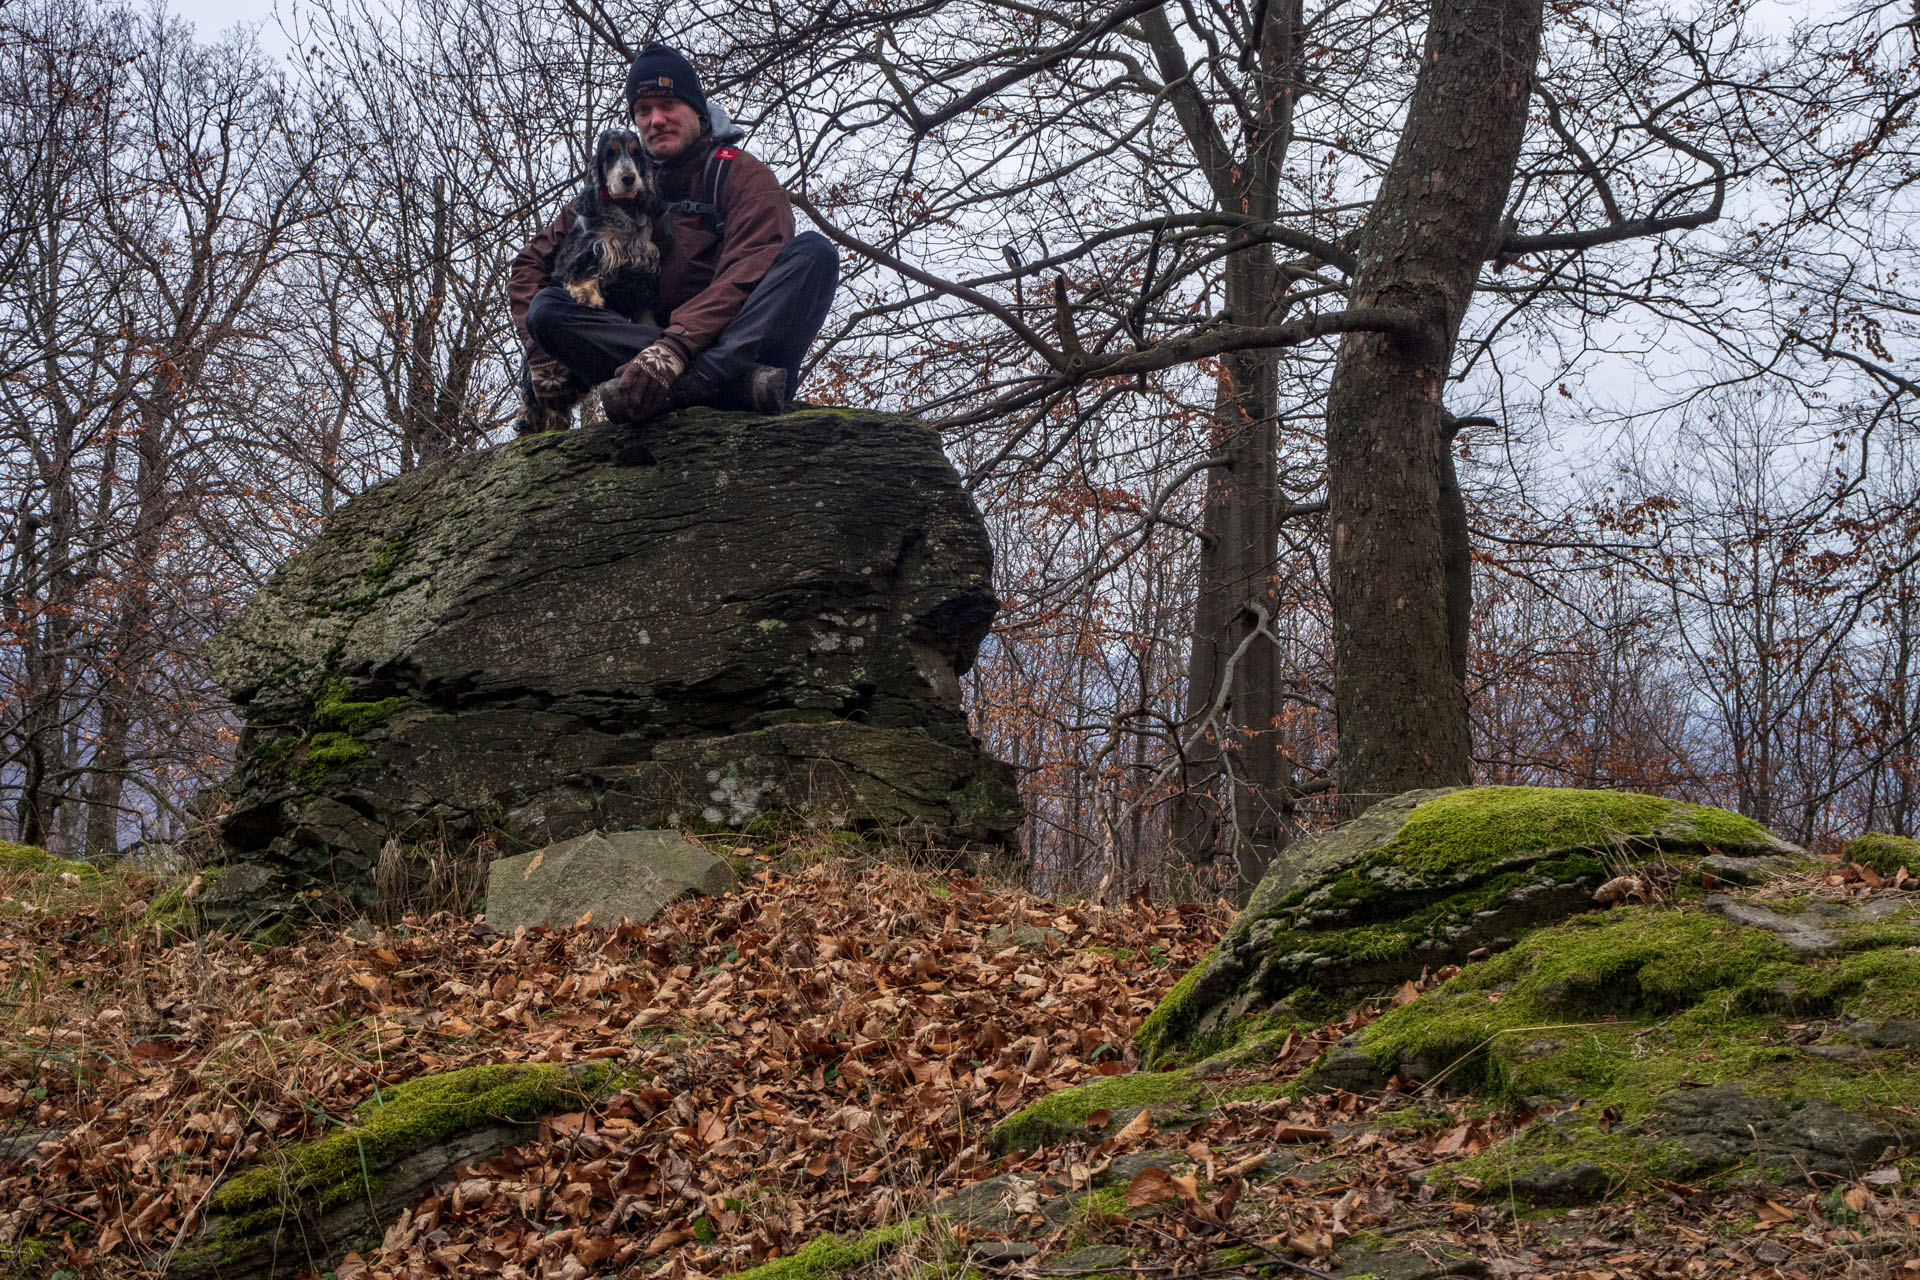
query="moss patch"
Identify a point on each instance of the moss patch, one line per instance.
(1486, 826)
(1177, 1010)
(27, 859)
(1065, 1112)
(1610, 1013)
(835, 1255)
(171, 914)
(27, 1260)
(1885, 854)
(333, 711)
(317, 1176)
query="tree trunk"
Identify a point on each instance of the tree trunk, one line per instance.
(1237, 786)
(1398, 692)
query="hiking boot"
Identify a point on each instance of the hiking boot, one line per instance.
(765, 387)
(613, 404)
(764, 390)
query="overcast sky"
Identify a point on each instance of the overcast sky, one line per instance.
(211, 17)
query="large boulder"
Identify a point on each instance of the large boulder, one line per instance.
(555, 636)
(1432, 878)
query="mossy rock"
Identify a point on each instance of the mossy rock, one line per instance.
(833, 1256)
(1064, 1113)
(1886, 854)
(1426, 879)
(28, 859)
(1173, 1097)
(1675, 1043)
(296, 1210)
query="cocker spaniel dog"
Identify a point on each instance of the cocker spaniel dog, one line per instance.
(608, 259)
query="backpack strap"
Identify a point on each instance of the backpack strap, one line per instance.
(713, 180)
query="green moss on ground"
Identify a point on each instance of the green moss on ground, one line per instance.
(1885, 854)
(1065, 1111)
(28, 1259)
(171, 914)
(835, 1255)
(317, 1176)
(1615, 1011)
(27, 859)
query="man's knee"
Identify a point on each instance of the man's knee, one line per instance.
(816, 254)
(547, 315)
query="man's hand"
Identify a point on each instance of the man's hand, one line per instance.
(550, 383)
(646, 379)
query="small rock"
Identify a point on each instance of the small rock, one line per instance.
(630, 875)
(1574, 1183)
(1093, 1258)
(1025, 936)
(1724, 1124)
(1746, 871)
(1894, 1033)
(1345, 1067)
(991, 1251)
(1798, 933)
(1124, 1169)
(992, 1205)
(1847, 1053)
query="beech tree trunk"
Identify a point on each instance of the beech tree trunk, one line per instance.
(1399, 696)
(1237, 788)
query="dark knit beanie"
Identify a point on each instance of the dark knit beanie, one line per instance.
(660, 72)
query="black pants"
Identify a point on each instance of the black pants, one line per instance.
(778, 321)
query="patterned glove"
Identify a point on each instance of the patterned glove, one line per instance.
(646, 379)
(551, 384)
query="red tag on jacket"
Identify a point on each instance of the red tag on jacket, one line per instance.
(726, 153)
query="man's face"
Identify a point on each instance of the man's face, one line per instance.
(667, 126)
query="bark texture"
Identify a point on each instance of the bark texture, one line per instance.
(1238, 787)
(1400, 700)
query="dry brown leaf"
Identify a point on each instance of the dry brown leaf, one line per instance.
(1137, 1128)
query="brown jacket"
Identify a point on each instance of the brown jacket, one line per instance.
(703, 280)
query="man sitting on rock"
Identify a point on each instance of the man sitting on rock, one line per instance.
(743, 296)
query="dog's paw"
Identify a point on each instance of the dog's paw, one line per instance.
(540, 419)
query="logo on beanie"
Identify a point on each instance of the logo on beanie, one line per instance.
(665, 82)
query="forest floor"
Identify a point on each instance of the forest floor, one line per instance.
(826, 1051)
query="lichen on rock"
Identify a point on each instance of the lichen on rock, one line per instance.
(1422, 880)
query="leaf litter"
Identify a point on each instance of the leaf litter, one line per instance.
(823, 1051)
